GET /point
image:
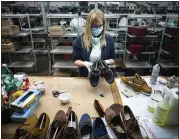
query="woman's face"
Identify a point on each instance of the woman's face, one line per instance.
(97, 27)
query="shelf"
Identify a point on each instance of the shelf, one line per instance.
(169, 64)
(33, 29)
(168, 35)
(21, 64)
(21, 34)
(70, 65)
(14, 15)
(41, 52)
(64, 65)
(62, 50)
(62, 15)
(147, 36)
(67, 34)
(143, 53)
(137, 65)
(108, 16)
(23, 50)
(144, 16)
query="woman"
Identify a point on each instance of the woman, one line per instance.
(94, 44)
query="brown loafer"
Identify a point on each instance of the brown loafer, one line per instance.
(41, 128)
(146, 90)
(71, 130)
(23, 132)
(58, 122)
(115, 123)
(131, 123)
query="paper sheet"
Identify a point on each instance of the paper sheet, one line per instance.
(138, 104)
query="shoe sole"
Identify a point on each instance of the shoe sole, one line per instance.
(130, 88)
(145, 93)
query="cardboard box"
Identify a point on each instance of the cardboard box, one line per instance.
(26, 101)
(4, 23)
(18, 117)
(10, 47)
(57, 30)
(10, 30)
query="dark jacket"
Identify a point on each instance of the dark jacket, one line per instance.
(108, 52)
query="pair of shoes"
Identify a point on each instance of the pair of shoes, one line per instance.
(137, 84)
(122, 121)
(87, 130)
(33, 128)
(100, 67)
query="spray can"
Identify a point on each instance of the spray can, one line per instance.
(155, 74)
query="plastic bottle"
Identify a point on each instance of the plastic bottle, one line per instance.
(172, 115)
(161, 111)
(155, 74)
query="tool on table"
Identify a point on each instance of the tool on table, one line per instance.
(99, 108)
(127, 93)
(57, 93)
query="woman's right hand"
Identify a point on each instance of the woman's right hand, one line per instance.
(87, 65)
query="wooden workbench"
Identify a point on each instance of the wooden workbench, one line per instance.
(82, 98)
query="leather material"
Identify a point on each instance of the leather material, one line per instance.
(41, 128)
(58, 122)
(26, 128)
(133, 129)
(99, 129)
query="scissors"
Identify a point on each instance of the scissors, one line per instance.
(57, 93)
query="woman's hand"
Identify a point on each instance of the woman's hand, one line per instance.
(86, 64)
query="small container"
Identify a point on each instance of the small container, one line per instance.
(171, 81)
(64, 97)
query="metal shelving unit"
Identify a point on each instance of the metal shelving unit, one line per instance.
(137, 64)
(22, 50)
(168, 63)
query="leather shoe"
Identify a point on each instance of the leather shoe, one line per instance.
(41, 128)
(23, 132)
(85, 126)
(94, 74)
(58, 122)
(99, 129)
(131, 123)
(71, 130)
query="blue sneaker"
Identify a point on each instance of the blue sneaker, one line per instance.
(99, 129)
(85, 126)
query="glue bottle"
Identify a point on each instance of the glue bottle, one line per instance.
(155, 74)
(161, 111)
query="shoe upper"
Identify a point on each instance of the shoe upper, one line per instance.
(41, 128)
(71, 131)
(85, 125)
(138, 80)
(25, 129)
(131, 123)
(99, 129)
(130, 82)
(58, 122)
(115, 121)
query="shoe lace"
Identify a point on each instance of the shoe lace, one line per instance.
(136, 123)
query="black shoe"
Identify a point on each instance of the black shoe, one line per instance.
(94, 74)
(106, 72)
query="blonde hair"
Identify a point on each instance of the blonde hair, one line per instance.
(94, 16)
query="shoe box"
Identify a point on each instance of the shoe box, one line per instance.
(26, 101)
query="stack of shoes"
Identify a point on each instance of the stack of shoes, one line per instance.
(122, 121)
(137, 84)
(100, 67)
